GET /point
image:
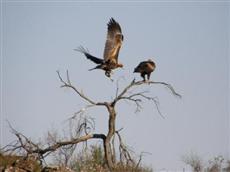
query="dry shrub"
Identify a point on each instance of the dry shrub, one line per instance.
(194, 161)
(92, 160)
(18, 163)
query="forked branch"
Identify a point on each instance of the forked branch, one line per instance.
(138, 83)
(25, 145)
(68, 84)
(125, 154)
(137, 98)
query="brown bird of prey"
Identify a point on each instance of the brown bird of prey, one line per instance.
(145, 68)
(111, 50)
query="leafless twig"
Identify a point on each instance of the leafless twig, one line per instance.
(124, 151)
(68, 84)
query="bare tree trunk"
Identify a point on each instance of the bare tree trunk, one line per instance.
(108, 150)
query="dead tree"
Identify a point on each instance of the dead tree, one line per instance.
(136, 98)
(109, 151)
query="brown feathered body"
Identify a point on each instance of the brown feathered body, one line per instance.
(111, 51)
(145, 68)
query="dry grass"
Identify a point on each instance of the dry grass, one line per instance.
(19, 163)
(93, 161)
(90, 160)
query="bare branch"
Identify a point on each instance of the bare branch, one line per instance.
(138, 83)
(136, 98)
(26, 145)
(169, 86)
(70, 142)
(81, 94)
(124, 152)
(125, 90)
(81, 111)
(117, 83)
(155, 101)
(140, 159)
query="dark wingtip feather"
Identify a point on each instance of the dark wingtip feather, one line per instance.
(81, 49)
(112, 20)
(86, 52)
(113, 24)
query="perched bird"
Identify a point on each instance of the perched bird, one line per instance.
(111, 50)
(145, 68)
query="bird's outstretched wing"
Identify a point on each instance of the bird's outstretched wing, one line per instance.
(113, 41)
(89, 56)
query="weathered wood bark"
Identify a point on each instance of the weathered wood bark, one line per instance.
(111, 131)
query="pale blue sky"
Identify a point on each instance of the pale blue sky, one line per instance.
(189, 41)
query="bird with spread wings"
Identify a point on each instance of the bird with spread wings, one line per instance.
(111, 51)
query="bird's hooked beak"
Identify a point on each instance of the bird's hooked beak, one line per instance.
(121, 66)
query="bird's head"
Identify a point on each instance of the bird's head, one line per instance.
(150, 60)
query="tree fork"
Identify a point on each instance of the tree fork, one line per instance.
(123, 95)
